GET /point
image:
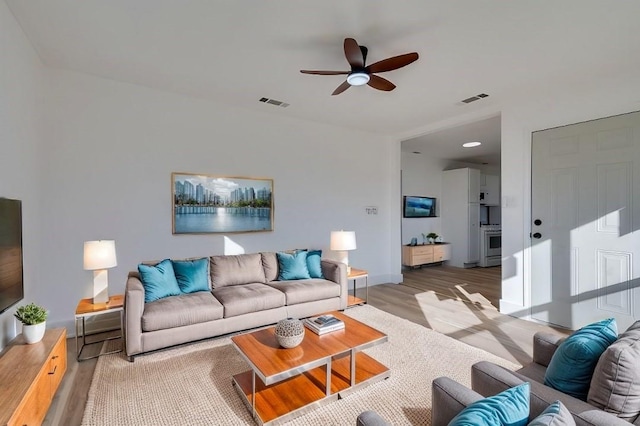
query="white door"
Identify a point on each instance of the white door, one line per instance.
(585, 252)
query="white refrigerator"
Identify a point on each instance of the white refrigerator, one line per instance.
(460, 215)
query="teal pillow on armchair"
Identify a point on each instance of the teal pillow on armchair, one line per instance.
(509, 407)
(573, 363)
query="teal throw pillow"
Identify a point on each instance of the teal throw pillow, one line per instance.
(509, 408)
(555, 414)
(293, 266)
(158, 281)
(314, 264)
(192, 275)
(573, 363)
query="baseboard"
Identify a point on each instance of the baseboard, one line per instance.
(384, 279)
(513, 309)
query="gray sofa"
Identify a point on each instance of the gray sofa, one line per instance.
(450, 397)
(245, 293)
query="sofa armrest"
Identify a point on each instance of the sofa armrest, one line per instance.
(448, 398)
(337, 272)
(133, 310)
(544, 346)
(371, 418)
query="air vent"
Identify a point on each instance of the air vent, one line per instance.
(274, 102)
(475, 98)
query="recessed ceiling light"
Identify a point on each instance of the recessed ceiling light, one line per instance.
(471, 144)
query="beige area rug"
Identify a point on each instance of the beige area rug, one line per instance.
(191, 385)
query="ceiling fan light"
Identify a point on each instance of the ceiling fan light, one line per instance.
(358, 78)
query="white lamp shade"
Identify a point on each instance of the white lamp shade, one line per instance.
(343, 240)
(99, 255)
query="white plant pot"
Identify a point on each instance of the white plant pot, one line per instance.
(33, 333)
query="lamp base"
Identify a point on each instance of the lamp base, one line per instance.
(344, 258)
(100, 286)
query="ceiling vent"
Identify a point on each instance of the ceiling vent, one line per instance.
(274, 102)
(475, 98)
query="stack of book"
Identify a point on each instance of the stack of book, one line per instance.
(324, 324)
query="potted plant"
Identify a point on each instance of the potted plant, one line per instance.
(431, 236)
(34, 322)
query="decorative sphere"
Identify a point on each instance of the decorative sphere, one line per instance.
(289, 332)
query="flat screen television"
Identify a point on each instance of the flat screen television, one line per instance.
(416, 206)
(11, 281)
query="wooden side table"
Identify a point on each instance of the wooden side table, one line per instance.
(86, 308)
(355, 275)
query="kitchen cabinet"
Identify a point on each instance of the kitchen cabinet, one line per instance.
(489, 190)
(460, 215)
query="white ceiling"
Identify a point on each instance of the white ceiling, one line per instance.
(447, 144)
(236, 52)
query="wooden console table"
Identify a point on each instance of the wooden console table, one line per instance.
(425, 254)
(30, 376)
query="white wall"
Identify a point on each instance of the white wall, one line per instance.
(421, 175)
(20, 117)
(111, 148)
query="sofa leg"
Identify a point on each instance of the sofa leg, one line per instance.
(131, 359)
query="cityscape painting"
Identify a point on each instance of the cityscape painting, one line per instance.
(205, 204)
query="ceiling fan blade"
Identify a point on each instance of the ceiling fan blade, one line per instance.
(353, 53)
(324, 72)
(381, 83)
(344, 86)
(393, 63)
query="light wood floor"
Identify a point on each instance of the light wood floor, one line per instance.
(461, 303)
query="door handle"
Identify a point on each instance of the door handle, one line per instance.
(537, 235)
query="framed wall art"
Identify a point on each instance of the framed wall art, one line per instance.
(210, 204)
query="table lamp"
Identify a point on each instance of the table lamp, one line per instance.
(98, 257)
(342, 242)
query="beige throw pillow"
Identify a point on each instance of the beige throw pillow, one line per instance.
(615, 385)
(236, 269)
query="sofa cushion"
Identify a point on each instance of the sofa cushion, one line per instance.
(555, 414)
(510, 407)
(314, 263)
(573, 363)
(236, 269)
(270, 266)
(159, 281)
(293, 266)
(247, 298)
(301, 291)
(615, 386)
(192, 275)
(182, 310)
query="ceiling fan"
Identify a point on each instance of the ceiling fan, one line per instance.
(360, 74)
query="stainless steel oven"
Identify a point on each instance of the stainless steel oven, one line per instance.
(490, 246)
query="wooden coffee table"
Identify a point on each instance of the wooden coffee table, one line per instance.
(286, 383)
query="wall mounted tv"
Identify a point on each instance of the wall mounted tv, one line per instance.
(415, 206)
(11, 282)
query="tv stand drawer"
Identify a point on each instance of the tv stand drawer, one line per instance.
(425, 254)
